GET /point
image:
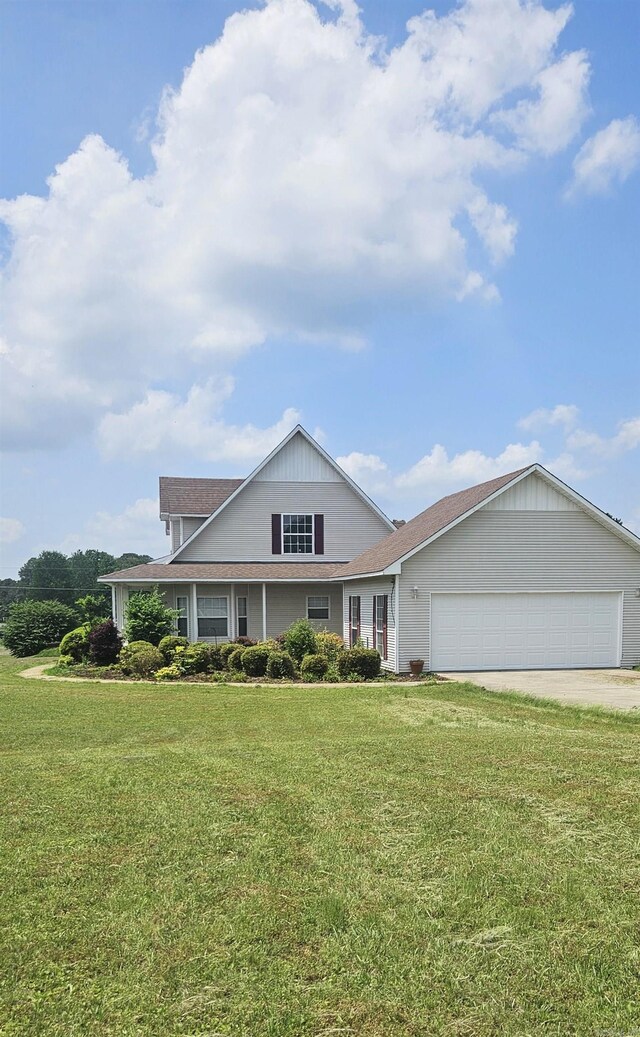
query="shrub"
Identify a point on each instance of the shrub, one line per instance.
(169, 673)
(248, 642)
(34, 625)
(65, 660)
(148, 618)
(314, 666)
(75, 644)
(225, 651)
(330, 645)
(254, 661)
(169, 644)
(105, 644)
(93, 609)
(197, 657)
(280, 664)
(300, 639)
(234, 659)
(141, 659)
(364, 662)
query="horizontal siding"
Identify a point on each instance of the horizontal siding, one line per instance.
(189, 526)
(242, 532)
(298, 461)
(523, 552)
(366, 589)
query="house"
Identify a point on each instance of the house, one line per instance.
(520, 572)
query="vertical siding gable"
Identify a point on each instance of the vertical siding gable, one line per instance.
(532, 494)
(298, 461)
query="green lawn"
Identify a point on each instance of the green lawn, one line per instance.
(379, 861)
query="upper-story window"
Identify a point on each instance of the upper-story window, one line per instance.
(296, 534)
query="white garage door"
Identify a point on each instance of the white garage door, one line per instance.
(524, 631)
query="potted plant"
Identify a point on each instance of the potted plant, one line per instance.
(416, 666)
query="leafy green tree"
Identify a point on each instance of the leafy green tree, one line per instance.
(93, 608)
(34, 625)
(86, 567)
(51, 578)
(10, 592)
(148, 618)
(128, 560)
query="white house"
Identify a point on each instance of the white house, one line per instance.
(517, 573)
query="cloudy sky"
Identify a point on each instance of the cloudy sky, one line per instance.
(413, 229)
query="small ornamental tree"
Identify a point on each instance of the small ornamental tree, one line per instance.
(105, 644)
(93, 610)
(148, 618)
(34, 625)
(300, 640)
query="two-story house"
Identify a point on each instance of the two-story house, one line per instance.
(517, 572)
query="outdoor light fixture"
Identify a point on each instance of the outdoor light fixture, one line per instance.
(414, 593)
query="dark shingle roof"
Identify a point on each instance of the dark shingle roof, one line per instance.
(210, 572)
(194, 496)
(424, 526)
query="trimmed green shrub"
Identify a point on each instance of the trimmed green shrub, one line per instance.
(169, 644)
(148, 618)
(169, 673)
(141, 659)
(364, 662)
(314, 666)
(105, 644)
(247, 642)
(280, 664)
(65, 660)
(254, 661)
(225, 651)
(197, 657)
(300, 639)
(34, 625)
(234, 659)
(75, 644)
(330, 645)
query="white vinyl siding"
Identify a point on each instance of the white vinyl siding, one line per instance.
(242, 532)
(298, 461)
(520, 552)
(524, 631)
(532, 494)
(366, 589)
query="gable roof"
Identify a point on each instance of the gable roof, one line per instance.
(297, 431)
(194, 497)
(448, 511)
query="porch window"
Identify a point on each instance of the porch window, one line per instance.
(182, 605)
(354, 619)
(213, 617)
(297, 534)
(318, 606)
(380, 608)
(241, 609)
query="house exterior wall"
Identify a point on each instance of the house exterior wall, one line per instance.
(298, 461)
(519, 551)
(181, 530)
(366, 590)
(242, 532)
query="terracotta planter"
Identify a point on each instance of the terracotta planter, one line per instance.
(416, 666)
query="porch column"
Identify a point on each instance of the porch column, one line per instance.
(397, 620)
(114, 607)
(232, 612)
(264, 612)
(194, 612)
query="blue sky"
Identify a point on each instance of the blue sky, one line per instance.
(421, 242)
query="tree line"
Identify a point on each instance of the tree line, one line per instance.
(54, 576)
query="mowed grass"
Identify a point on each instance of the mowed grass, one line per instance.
(379, 861)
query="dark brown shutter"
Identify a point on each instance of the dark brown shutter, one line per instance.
(318, 530)
(358, 600)
(384, 626)
(375, 635)
(276, 534)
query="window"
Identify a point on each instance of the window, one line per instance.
(380, 623)
(241, 610)
(297, 534)
(212, 617)
(318, 606)
(182, 605)
(354, 619)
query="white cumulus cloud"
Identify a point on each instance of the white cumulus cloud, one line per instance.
(136, 528)
(564, 414)
(607, 158)
(10, 530)
(304, 173)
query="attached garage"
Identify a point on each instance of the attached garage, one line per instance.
(525, 631)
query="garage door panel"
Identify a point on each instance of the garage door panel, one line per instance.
(524, 631)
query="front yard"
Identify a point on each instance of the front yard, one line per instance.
(383, 861)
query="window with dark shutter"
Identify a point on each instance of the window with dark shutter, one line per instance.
(318, 531)
(276, 534)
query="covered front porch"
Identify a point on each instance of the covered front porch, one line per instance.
(224, 610)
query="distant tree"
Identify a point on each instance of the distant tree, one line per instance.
(609, 515)
(25, 572)
(86, 567)
(10, 591)
(128, 560)
(51, 578)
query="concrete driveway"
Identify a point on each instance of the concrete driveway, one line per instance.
(616, 689)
